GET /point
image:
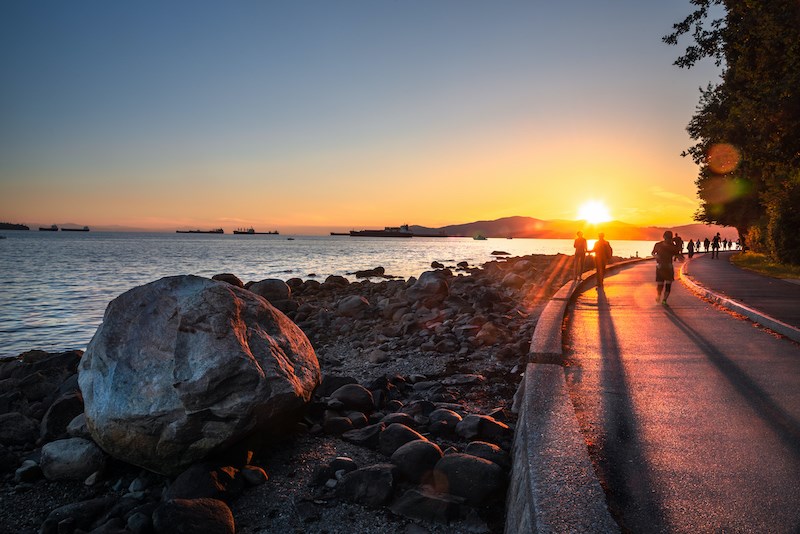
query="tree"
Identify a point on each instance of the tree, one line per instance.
(747, 127)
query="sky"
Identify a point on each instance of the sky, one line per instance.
(312, 116)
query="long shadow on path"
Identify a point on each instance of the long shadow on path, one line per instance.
(784, 425)
(632, 497)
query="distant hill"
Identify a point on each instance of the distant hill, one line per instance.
(522, 227)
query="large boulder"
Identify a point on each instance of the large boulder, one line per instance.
(185, 366)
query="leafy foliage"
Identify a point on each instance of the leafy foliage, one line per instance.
(747, 127)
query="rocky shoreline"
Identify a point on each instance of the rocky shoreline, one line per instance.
(409, 430)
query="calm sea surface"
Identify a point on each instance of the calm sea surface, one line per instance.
(54, 287)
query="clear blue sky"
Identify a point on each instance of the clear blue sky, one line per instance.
(304, 113)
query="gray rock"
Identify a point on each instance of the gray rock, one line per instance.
(77, 427)
(513, 281)
(477, 480)
(192, 516)
(426, 505)
(29, 471)
(82, 514)
(139, 523)
(355, 397)
(186, 366)
(254, 475)
(489, 451)
(399, 417)
(334, 281)
(73, 458)
(343, 463)
(443, 414)
(337, 425)
(272, 289)
(18, 429)
(463, 379)
(63, 410)
(369, 436)
(138, 484)
(201, 481)
(377, 356)
(431, 288)
(368, 273)
(483, 427)
(370, 486)
(352, 306)
(331, 383)
(229, 278)
(358, 418)
(415, 460)
(396, 435)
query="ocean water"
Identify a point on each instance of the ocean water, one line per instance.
(54, 287)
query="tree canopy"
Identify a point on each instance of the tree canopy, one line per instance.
(747, 128)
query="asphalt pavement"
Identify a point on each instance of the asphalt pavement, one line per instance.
(772, 297)
(691, 413)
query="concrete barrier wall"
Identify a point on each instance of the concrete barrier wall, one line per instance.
(553, 485)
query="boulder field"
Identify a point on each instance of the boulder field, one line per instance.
(201, 405)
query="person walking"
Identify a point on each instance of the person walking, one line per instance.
(715, 246)
(690, 248)
(664, 251)
(706, 244)
(678, 242)
(602, 253)
(580, 254)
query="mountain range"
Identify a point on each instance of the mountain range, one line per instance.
(563, 229)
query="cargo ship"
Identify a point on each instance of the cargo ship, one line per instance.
(251, 231)
(51, 228)
(84, 229)
(214, 231)
(389, 231)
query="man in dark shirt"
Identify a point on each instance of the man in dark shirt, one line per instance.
(580, 254)
(664, 251)
(602, 253)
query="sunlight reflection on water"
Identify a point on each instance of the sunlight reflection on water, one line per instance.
(55, 286)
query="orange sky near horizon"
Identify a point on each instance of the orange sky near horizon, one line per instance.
(315, 118)
(478, 179)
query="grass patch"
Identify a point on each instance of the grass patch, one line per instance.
(761, 264)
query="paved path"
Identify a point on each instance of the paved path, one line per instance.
(692, 416)
(776, 298)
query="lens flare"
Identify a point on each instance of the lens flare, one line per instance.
(723, 158)
(722, 189)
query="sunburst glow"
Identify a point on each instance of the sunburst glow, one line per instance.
(594, 211)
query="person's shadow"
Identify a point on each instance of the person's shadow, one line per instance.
(623, 466)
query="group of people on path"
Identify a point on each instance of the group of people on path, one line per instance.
(714, 244)
(602, 254)
(665, 252)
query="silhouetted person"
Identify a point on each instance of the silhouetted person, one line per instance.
(697, 245)
(602, 253)
(715, 246)
(706, 244)
(678, 242)
(664, 251)
(580, 254)
(690, 248)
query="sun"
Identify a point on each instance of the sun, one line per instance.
(593, 212)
